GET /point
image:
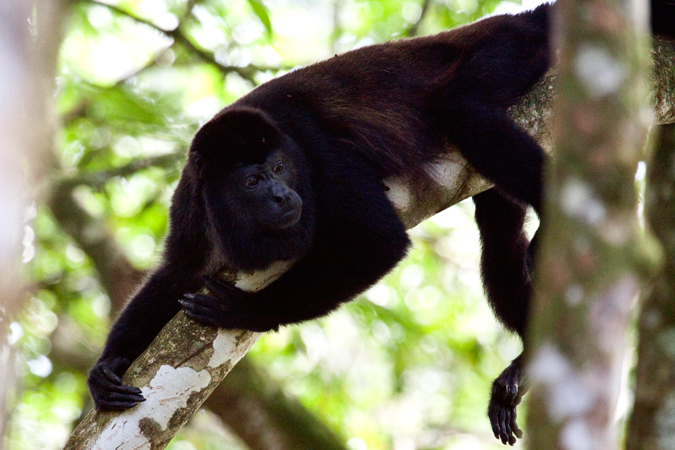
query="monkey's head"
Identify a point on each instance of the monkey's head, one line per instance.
(256, 188)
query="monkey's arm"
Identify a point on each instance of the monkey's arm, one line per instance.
(145, 315)
(154, 304)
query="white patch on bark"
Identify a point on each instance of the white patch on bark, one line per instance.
(616, 231)
(600, 73)
(610, 313)
(568, 394)
(169, 391)
(577, 436)
(226, 349)
(574, 294)
(549, 365)
(261, 278)
(579, 201)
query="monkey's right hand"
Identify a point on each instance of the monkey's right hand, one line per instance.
(107, 390)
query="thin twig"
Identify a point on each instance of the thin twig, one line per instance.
(97, 179)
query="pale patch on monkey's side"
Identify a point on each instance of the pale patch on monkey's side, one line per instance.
(398, 194)
(447, 171)
(445, 182)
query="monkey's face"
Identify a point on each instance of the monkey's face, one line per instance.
(265, 193)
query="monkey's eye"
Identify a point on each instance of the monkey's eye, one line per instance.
(279, 167)
(253, 181)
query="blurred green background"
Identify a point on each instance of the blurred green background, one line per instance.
(406, 366)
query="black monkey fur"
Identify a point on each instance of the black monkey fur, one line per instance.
(294, 171)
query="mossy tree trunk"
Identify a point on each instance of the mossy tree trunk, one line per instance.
(651, 423)
(594, 257)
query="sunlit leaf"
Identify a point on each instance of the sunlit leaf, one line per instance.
(260, 10)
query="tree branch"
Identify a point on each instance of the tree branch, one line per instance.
(247, 72)
(97, 179)
(164, 367)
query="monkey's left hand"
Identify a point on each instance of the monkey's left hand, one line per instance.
(222, 309)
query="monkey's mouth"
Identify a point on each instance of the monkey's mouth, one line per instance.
(287, 219)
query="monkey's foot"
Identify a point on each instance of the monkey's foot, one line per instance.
(507, 392)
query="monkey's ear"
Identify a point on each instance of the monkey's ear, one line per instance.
(236, 135)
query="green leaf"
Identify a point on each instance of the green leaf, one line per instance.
(261, 11)
(117, 103)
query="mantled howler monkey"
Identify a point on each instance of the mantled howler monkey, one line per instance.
(294, 171)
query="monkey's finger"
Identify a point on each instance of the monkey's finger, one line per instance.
(201, 318)
(514, 425)
(117, 406)
(110, 375)
(123, 397)
(502, 426)
(222, 290)
(509, 428)
(110, 382)
(507, 425)
(124, 389)
(493, 415)
(202, 300)
(194, 305)
(199, 313)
